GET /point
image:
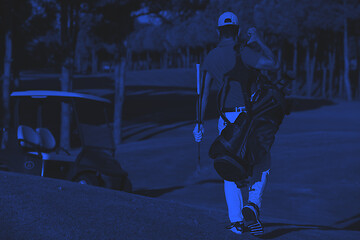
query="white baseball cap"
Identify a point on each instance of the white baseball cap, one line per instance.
(228, 18)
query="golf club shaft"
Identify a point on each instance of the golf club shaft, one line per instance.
(198, 95)
(198, 154)
(199, 105)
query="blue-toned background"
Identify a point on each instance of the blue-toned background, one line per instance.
(141, 55)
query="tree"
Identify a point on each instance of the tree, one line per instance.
(281, 21)
(56, 23)
(115, 23)
(14, 14)
(305, 23)
(8, 8)
(70, 11)
(351, 11)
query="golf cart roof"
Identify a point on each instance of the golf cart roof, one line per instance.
(62, 94)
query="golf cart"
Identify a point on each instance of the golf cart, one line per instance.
(33, 139)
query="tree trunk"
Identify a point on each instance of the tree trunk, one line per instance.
(331, 72)
(204, 54)
(346, 63)
(341, 86)
(294, 83)
(187, 57)
(69, 28)
(279, 56)
(129, 59)
(358, 67)
(65, 80)
(181, 60)
(148, 60)
(170, 59)
(335, 84)
(358, 80)
(94, 61)
(78, 62)
(313, 64)
(6, 88)
(310, 69)
(307, 65)
(165, 60)
(119, 77)
(16, 79)
(323, 88)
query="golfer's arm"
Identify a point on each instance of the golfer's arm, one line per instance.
(268, 60)
(205, 95)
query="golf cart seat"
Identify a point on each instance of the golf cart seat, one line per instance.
(28, 139)
(47, 140)
(48, 148)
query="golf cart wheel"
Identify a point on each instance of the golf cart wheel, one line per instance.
(88, 179)
(127, 186)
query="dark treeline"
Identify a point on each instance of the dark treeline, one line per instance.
(318, 39)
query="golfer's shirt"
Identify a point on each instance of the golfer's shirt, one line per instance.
(222, 60)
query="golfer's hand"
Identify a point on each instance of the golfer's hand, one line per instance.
(198, 133)
(253, 36)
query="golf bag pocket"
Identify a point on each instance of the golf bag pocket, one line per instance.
(229, 148)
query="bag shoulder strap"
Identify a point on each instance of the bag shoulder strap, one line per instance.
(245, 88)
(221, 100)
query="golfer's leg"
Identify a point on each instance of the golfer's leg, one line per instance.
(265, 136)
(233, 196)
(257, 189)
(221, 125)
(252, 213)
(234, 201)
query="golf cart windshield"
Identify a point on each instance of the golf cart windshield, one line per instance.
(93, 124)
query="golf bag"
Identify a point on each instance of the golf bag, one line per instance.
(246, 142)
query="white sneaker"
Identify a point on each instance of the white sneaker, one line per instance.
(236, 227)
(251, 216)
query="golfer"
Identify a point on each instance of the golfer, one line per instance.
(217, 63)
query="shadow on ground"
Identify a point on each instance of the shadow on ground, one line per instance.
(161, 191)
(287, 228)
